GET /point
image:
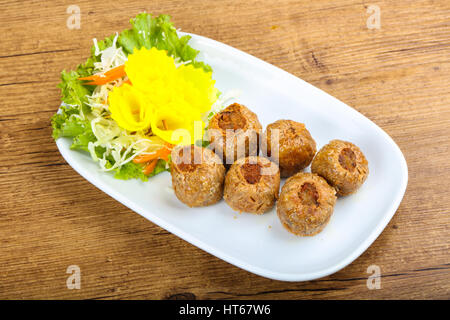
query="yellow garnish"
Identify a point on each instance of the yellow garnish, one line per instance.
(162, 96)
(129, 108)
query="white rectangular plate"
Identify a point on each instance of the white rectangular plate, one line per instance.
(260, 244)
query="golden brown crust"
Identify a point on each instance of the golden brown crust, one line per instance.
(343, 165)
(296, 146)
(252, 185)
(306, 204)
(241, 123)
(197, 183)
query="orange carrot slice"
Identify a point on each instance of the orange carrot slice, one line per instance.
(150, 167)
(162, 153)
(108, 76)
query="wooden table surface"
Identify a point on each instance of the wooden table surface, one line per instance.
(50, 217)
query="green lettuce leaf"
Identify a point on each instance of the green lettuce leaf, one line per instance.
(64, 125)
(73, 93)
(133, 170)
(130, 170)
(81, 141)
(160, 167)
(148, 31)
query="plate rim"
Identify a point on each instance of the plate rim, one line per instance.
(290, 277)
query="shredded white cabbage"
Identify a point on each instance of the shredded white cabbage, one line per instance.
(121, 145)
(111, 57)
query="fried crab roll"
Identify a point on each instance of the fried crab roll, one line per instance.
(306, 204)
(234, 133)
(343, 165)
(197, 175)
(252, 185)
(289, 144)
